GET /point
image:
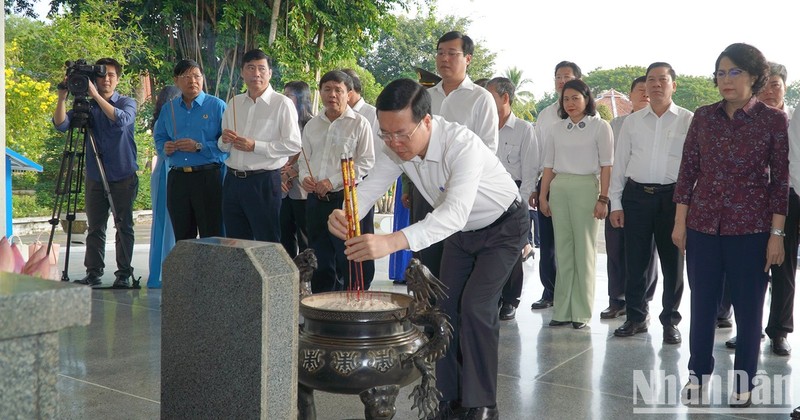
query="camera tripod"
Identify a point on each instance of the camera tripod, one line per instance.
(70, 180)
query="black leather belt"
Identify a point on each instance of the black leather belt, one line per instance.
(334, 195)
(201, 168)
(652, 188)
(511, 209)
(244, 174)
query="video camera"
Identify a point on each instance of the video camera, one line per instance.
(79, 75)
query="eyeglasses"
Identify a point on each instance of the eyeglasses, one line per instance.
(448, 53)
(191, 76)
(732, 73)
(389, 137)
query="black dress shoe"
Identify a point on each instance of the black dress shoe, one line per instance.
(796, 414)
(631, 328)
(542, 304)
(731, 344)
(671, 335)
(482, 413)
(122, 282)
(507, 311)
(448, 410)
(724, 323)
(781, 347)
(578, 325)
(90, 280)
(613, 311)
(555, 323)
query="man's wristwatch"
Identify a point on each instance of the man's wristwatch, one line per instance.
(777, 232)
(198, 146)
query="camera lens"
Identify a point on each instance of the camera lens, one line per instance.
(78, 84)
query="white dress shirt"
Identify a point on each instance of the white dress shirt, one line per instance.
(649, 149)
(460, 177)
(546, 118)
(518, 151)
(325, 141)
(271, 121)
(470, 105)
(579, 148)
(794, 150)
(371, 114)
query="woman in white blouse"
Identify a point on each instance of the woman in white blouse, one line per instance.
(578, 154)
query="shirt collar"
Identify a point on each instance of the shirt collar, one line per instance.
(580, 125)
(435, 151)
(198, 100)
(348, 113)
(266, 95)
(749, 109)
(511, 121)
(114, 97)
(359, 104)
(673, 109)
(465, 84)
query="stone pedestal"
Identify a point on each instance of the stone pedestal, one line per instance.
(32, 311)
(229, 331)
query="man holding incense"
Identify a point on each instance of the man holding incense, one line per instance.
(335, 133)
(478, 214)
(260, 131)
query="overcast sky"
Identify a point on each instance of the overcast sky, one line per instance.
(534, 35)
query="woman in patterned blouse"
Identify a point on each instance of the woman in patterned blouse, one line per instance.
(731, 197)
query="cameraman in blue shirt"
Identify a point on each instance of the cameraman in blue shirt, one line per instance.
(111, 123)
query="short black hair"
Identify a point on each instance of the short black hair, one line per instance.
(580, 86)
(402, 93)
(356, 80)
(254, 55)
(576, 71)
(185, 65)
(658, 64)
(467, 46)
(749, 59)
(776, 69)
(108, 61)
(503, 85)
(482, 82)
(336, 76)
(636, 81)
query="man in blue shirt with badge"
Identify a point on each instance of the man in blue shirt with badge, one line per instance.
(187, 131)
(111, 123)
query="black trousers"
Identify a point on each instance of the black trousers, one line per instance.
(334, 271)
(648, 217)
(547, 253)
(251, 206)
(431, 256)
(475, 266)
(781, 306)
(123, 193)
(194, 202)
(294, 237)
(615, 266)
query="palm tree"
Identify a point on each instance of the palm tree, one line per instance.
(515, 76)
(525, 105)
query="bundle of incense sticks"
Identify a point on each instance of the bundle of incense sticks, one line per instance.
(356, 280)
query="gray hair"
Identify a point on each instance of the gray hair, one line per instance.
(502, 86)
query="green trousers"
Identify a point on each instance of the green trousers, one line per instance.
(572, 201)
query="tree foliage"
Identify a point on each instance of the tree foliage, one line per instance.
(793, 94)
(410, 43)
(619, 79)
